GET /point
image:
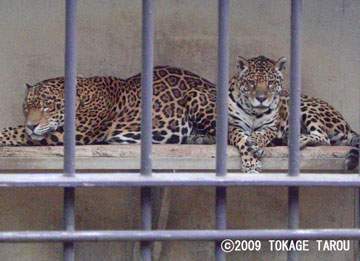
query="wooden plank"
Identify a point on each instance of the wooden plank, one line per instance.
(167, 150)
(170, 157)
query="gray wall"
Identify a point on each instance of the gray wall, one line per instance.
(190, 208)
(109, 43)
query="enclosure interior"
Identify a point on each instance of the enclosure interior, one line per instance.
(109, 43)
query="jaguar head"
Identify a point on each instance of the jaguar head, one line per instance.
(43, 109)
(258, 83)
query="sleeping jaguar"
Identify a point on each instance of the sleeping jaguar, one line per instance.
(258, 114)
(108, 110)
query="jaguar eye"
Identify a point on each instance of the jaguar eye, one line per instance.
(46, 104)
(251, 82)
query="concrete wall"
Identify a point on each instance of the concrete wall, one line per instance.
(190, 208)
(109, 43)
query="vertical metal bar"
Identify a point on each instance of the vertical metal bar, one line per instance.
(146, 118)
(147, 85)
(221, 118)
(294, 132)
(69, 222)
(220, 220)
(357, 201)
(70, 88)
(357, 220)
(222, 88)
(146, 219)
(295, 89)
(69, 125)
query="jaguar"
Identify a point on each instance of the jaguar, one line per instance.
(184, 111)
(259, 114)
(108, 110)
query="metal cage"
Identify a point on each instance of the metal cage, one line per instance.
(146, 179)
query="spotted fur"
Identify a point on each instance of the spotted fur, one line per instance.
(259, 113)
(108, 110)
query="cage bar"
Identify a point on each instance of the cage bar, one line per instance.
(294, 121)
(357, 222)
(147, 85)
(222, 88)
(70, 123)
(146, 179)
(172, 235)
(200, 179)
(146, 118)
(70, 88)
(69, 222)
(221, 119)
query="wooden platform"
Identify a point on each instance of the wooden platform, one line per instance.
(165, 157)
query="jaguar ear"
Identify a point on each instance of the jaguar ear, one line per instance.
(280, 64)
(27, 87)
(78, 103)
(79, 97)
(241, 63)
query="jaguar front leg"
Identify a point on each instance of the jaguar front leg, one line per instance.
(201, 139)
(260, 139)
(17, 136)
(200, 111)
(238, 138)
(314, 139)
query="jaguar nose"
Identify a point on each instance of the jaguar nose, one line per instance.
(32, 126)
(261, 98)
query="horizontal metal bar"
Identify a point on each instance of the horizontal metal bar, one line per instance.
(177, 179)
(165, 235)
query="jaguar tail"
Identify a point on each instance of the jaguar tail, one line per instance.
(352, 159)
